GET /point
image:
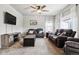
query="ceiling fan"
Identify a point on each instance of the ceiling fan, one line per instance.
(38, 8)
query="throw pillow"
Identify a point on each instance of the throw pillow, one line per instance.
(58, 33)
(40, 31)
(63, 34)
(31, 32)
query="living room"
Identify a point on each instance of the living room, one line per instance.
(51, 28)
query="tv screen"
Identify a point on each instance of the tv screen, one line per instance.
(9, 19)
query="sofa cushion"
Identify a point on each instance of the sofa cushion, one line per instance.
(73, 34)
(60, 31)
(68, 32)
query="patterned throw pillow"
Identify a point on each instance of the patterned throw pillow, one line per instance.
(63, 34)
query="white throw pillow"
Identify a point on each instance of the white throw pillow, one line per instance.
(30, 32)
(40, 31)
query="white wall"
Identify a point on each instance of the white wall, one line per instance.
(41, 19)
(10, 28)
(57, 21)
(77, 13)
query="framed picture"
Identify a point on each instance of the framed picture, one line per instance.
(33, 22)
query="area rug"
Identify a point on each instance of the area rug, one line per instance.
(40, 48)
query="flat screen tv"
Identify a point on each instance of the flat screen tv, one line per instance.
(9, 19)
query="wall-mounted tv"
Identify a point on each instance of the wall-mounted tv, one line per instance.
(9, 19)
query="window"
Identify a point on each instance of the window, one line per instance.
(66, 24)
(49, 26)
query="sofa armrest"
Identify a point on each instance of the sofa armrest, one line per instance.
(51, 33)
(62, 37)
(71, 48)
(26, 33)
(61, 41)
(73, 39)
(72, 44)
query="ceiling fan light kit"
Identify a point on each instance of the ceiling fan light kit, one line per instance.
(39, 11)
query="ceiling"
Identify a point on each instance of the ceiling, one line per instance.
(53, 9)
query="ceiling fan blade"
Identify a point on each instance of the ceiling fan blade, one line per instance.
(33, 7)
(43, 6)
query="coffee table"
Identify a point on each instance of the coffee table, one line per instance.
(29, 40)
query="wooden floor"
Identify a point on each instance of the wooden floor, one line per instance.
(53, 48)
(42, 47)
